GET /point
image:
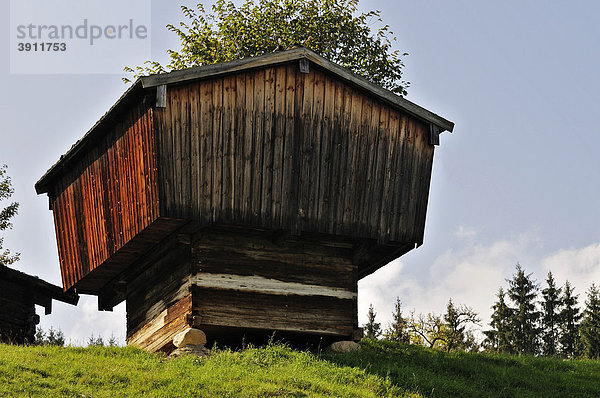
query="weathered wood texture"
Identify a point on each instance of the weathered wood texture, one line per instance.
(287, 283)
(107, 199)
(17, 314)
(223, 279)
(19, 294)
(280, 149)
(271, 148)
(156, 283)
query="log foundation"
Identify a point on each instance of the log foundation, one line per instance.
(232, 283)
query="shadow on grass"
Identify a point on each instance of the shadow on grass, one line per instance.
(439, 374)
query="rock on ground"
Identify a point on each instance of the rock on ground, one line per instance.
(344, 346)
(197, 350)
(189, 336)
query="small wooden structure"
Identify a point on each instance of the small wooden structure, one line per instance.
(248, 195)
(19, 293)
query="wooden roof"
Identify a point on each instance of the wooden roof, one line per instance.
(143, 85)
(42, 292)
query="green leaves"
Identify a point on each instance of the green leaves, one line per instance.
(6, 214)
(331, 28)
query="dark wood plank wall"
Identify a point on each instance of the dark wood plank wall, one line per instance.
(163, 280)
(252, 281)
(108, 197)
(158, 295)
(223, 279)
(17, 313)
(280, 149)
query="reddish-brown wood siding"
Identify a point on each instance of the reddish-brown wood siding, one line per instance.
(280, 149)
(109, 197)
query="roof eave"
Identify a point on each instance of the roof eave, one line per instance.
(206, 71)
(42, 185)
(41, 286)
(280, 57)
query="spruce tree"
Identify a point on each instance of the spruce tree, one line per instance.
(590, 326)
(456, 320)
(398, 329)
(569, 323)
(551, 306)
(524, 321)
(372, 328)
(499, 337)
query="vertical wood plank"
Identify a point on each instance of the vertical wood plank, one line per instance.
(258, 143)
(381, 149)
(369, 161)
(196, 180)
(351, 163)
(402, 181)
(293, 149)
(344, 170)
(278, 154)
(424, 193)
(326, 159)
(217, 128)
(337, 147)
(416, 172)
(268, 149)
(316, 166)
(228, 132)
(240, 138)
(302, 149)
(248, 153)
(208, 157)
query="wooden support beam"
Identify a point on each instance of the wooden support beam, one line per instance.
(304, 65)
(257, 284)
(434, 134)
(161, 96)
(111, 295)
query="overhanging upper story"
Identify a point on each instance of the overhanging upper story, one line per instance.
(285, 141)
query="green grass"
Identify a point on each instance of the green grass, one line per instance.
(273, 371)
(438, 374)
(380, 369)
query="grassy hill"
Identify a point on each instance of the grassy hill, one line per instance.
(380, 369)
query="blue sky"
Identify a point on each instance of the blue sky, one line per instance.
(517, 181)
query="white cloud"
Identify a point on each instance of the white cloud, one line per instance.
(464, 232)
(79, 323)
(471, 274)
(580, 266)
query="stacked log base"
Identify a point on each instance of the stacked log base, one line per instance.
(230, 282)
(19, 294)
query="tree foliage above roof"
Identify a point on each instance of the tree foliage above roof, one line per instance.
(332, 28)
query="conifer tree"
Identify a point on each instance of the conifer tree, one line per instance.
(524, 322)
(499, 337)
(551, 306)
(590, 325)
(456, 320)
(398, 329)
(372, 328)
(569, 325)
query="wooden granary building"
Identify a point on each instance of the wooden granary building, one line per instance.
(244, 196)
(19, 294)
